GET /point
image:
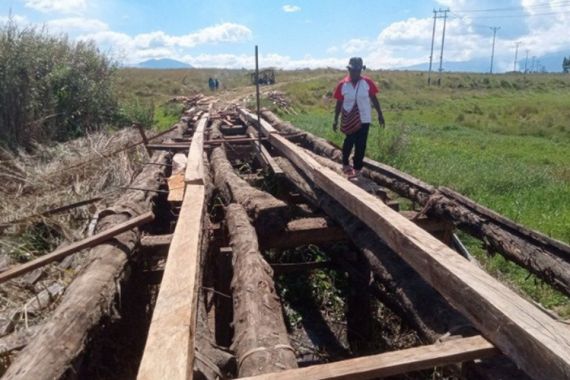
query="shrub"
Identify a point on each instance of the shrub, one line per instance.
(51, 88)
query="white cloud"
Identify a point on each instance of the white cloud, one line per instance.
(159, 44)
(291, 8)
(63, 6)
(79, 24)
(357, 45)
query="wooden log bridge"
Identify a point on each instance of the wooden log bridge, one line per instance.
(245, 223)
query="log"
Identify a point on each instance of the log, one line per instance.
(267, 212)
(547, 258)
(92, 294)
(392, 363)
(535, 342)
(260, 341)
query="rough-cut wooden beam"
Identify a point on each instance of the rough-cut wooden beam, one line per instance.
(302, 232)
(176, 188)
(267, 212)
(90, 297)
(260, 341)
(547, 258)
(169, 350)
(392, 363)
(535, 342)
(76, 247)
(195, 165)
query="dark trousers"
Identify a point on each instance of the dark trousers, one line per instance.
(358, 141)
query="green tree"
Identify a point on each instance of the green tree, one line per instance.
(566, 65)
(51, 88)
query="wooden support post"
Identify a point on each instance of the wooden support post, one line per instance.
(260, 341)
(359, 311)
(392, 363)
(76, 247)
(535, 342)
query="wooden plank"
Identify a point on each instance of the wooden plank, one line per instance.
(535, 342)
(176, 187)
(392, 363)
(156, 241)
(169, 350)
(302, 232)
(76, 247)
(266, 128)
(195, 164)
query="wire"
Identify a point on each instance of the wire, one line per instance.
(530, 7)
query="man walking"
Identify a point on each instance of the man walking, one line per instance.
(354, 94)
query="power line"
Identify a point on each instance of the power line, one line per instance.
(525, 15)
(530, 7)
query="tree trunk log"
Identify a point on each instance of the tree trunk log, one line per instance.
(261, 342)
(267, 212)
(91, 296)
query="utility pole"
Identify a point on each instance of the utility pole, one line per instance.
(516, 55)
(494, 29)
(444, 11)
(526, 61)
(432, 40)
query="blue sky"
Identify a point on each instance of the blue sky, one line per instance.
(293, 34)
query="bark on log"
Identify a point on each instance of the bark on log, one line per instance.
(267, 212)
(261, 342)
(90, 297)
(402, 290)
(547, 258)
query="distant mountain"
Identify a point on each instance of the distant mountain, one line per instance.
(164, 63)
(551, 63)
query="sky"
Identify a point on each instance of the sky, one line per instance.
(388, 34)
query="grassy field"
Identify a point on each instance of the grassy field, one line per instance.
(502, 140)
